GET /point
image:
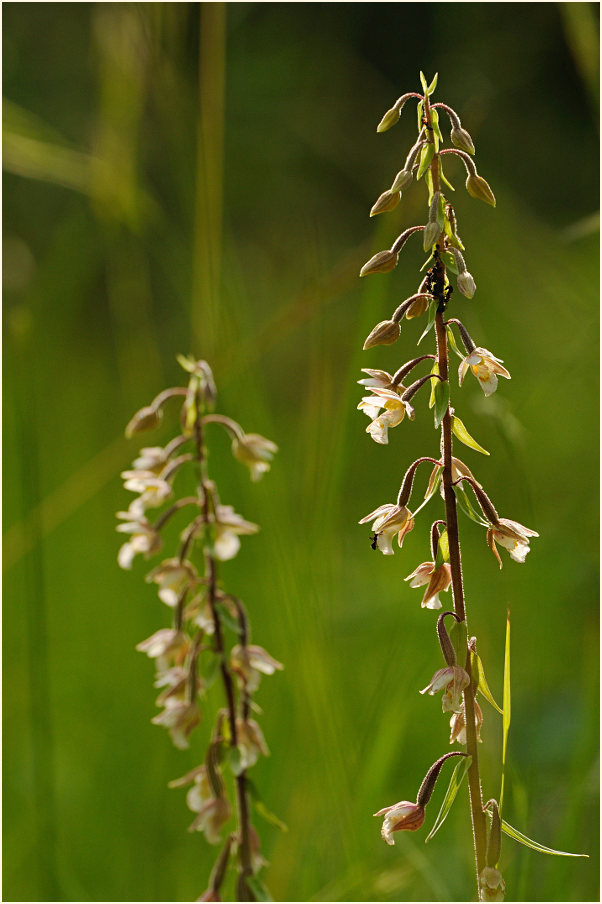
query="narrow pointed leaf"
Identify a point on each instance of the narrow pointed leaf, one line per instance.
(452, 341)
(465, 503)
(459, 638)
(479, 672)
(431, 320)
(433, 85)
(506, 705)
(442, 177)
(450, 263)
(455, 781)
(226, 619)
(441, 394)
(423, 82)
(442, 550)
(441, 211)
(429, 184)
(420, 111)
(464, 436)
(235, 760)
(269, 816)
(437, 137)
(434, 370)
(258, 888)
(534, 845)
(436, 484)
(426, 155)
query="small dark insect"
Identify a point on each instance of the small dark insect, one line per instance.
(426, 125)
(447, 292)
(374, 540)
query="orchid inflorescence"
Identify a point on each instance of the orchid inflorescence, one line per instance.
(391, 398)
(209, 634)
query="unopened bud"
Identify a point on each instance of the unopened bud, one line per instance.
(431, 233)
(384, 333)
(419, 307)
(382, 262)
(494, 841)
(389, 119)
(392, 115)
(466, 284)
(478, 188)
(491, 885)
(145, 419)
(402, 180)
(387, 201)
(461, 139)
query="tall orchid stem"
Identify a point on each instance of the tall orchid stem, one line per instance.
(242, 799)
(479, 824)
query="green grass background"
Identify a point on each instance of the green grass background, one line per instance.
(197, 178)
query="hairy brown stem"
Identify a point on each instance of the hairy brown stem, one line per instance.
(246, 870)
(479, 825)
(451, 516)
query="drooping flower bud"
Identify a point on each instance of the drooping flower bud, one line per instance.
(146, 418)
(479, 188)
(466, 284)
(383, 262)
(387, 201)
(402, 180)
(389, 119)
(460, 138)
(384, 333)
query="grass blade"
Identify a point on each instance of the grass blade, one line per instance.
(506, 707)
(534, 845)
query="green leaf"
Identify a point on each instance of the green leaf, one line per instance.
(534, 845)
(465, 503)
(441, 218)
(269, 816)
(431, 320)
(436, 483)
(235, 760)
(212, 671)
(437, 138)
(420, 111)
(431, 88)
(258, 888)
(423, 83)
(459, 638)
(226, 619)
(442, 176)
(442, 550)
(441, 394)
(464, 436)
(506, 705)
(452, 341)
(478, 672)
(450, 262)
(434, 370)
(429, 184)
(426, 156)
(455, 781)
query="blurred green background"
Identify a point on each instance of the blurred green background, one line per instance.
(197, 178)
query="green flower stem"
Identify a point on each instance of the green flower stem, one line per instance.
(242, 800)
